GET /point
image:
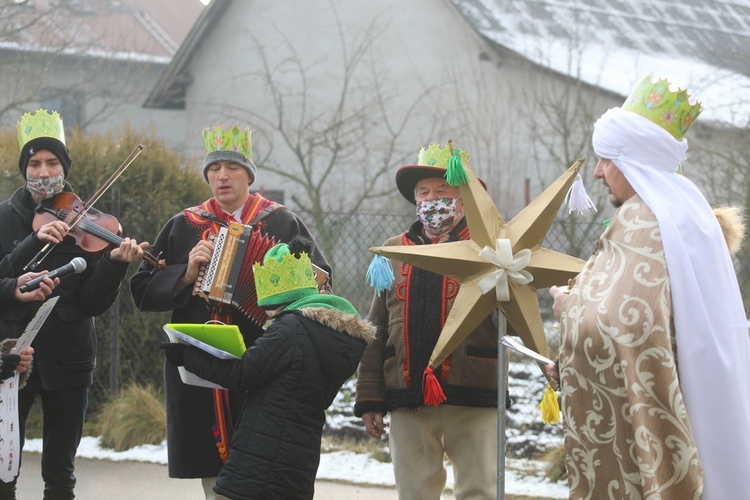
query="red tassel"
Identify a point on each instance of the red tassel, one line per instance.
(433, 393)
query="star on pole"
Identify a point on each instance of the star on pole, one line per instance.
(501, 266)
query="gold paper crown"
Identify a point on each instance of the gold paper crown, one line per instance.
(40, 124)
(670, 110)
(435, 156)
(280, 282)
(233, 139)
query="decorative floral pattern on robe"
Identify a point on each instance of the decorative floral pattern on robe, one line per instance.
(627, 433)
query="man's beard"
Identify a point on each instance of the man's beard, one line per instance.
(614, 200)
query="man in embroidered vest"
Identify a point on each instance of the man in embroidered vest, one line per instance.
(409, 318)
(200, 420)
(654, 356)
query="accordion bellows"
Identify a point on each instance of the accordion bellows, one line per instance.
(228, 278)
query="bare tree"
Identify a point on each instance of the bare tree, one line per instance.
(343, 154)
(530, 129)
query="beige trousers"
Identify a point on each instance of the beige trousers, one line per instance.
(208, 488)
(419, 442)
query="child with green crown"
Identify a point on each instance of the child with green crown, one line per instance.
(291, 374)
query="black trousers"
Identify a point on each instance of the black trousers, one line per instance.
(63, 415)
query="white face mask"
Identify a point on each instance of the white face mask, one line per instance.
(44, 189)
(437, 215)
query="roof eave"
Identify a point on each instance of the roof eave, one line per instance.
(169, 91)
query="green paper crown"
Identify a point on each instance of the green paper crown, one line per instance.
(670, 110)
(233, 139)
(435, 156)
(283, 278)
(40, 124)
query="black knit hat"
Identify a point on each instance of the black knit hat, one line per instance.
(50, 144)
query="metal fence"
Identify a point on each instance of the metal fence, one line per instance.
(129, 338)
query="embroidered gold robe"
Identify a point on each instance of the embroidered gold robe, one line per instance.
(627, 434)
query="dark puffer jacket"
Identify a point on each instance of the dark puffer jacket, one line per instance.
(292, 374)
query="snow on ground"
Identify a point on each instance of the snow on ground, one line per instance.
(345, 466)
(526, 438)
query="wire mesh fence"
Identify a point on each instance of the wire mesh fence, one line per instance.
(128, 339)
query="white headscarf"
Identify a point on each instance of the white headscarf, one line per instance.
(711, 329)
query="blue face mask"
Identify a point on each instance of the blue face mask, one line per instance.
(44, 189)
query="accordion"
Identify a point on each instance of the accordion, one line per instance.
(228, 278)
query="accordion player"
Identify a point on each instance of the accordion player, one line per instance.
(227, 280)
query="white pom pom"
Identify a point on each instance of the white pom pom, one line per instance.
(578, 199)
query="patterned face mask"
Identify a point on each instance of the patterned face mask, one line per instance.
(44, 189)
(437, 215)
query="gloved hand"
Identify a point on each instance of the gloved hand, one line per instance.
(175, 353)
(10, 363)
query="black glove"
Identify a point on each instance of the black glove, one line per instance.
(10, 363)
(175, 353)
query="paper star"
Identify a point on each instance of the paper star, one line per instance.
(516, 246)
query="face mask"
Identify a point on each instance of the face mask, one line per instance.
(437, 215)
(44, 189)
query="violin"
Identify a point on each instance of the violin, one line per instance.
(95, 233)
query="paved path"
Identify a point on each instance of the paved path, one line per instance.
(103, 479)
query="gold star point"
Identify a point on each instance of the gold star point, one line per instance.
(462, 260)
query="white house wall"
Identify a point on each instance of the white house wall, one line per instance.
(424, 48)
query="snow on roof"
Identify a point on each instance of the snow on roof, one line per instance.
(143, 30)
(612, 44)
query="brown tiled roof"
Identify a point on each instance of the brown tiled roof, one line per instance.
(147, 29)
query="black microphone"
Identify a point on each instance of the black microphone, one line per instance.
(75, 266)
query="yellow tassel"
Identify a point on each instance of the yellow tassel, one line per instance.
(550, 408)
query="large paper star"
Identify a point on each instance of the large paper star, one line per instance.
(499, 259)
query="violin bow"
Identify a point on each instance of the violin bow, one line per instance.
(40, 256)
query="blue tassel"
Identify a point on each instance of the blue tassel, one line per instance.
(380, 273)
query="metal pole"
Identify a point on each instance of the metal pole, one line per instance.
(502, 388)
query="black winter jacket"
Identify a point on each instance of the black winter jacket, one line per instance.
(65, 347)
(292, 374)
(190, 409)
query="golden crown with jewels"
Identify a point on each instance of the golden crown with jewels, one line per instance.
(283, 278)
(41, 123)
(669, 109)
(233, 139)
(435, 156)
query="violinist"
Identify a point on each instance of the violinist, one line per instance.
(65, 347)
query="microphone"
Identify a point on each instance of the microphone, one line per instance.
(75, 266)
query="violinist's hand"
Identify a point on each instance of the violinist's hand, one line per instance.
(45, 287)
(53, 232)
(128, 251)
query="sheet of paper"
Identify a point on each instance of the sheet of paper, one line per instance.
(35, 325)
(511, 343)
(10, 440)
(189, 377)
